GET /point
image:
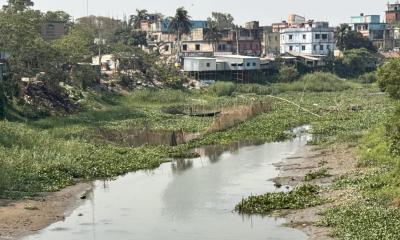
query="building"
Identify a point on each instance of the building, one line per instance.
(238, 63)
(370, 26)
(312, 38)
(270, 44)
(393, 13)
(53, 30)
(294, 19)
(199, 64)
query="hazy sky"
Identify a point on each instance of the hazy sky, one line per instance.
(266, 11)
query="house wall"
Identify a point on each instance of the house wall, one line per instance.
(270, 44)
(313, 41)
(199, 64)
(53, 30)
(239, 63)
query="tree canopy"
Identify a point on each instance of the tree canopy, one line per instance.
(347, 39)
(389, 78)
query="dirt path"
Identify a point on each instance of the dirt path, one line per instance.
(338, 160)
(18, 219)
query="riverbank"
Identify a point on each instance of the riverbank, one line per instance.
(338, 161)
(61, 149)
(24, 217)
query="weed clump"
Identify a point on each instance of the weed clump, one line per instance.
(321, 173)
(301, 197)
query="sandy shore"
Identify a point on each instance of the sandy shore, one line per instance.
(339, 160)
(21, 218)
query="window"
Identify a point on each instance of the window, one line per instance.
(166, 48)
(303, 48)
(328, 47)
(290, 37)
(208, 65)
(276, 38)
(290, 48)
(248, 64)
(321, 47)
(234, 65)
(240, 65)
(197, 47)
(315, 47)
(304, 36)
(324, 36)
(254, 64)
(184, 47)
(317, 36)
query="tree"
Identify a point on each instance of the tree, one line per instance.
(16, 6)
(213, 33)
(57, 16)
(223, 20)
(358, 61)
(180, 24)
(129, 37)
(135, 20)
(389, 78)
(340, 36)
(77, 46)
(347, 39)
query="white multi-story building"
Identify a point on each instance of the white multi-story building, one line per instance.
(311, 38)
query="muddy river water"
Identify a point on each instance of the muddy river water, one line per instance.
(190, 199)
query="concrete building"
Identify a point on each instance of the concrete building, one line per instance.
(270, 44)
(199, 64)
(238, 63)
(371, 27)
(295, 19)
(393, 13)
(312, 38)
(53, 30)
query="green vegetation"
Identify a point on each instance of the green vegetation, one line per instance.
(363, 222)
(321, 173)
(301, 197)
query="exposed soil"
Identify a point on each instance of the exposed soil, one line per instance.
(339, 160)
(18, 219)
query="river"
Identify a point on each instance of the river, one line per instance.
(191, 199)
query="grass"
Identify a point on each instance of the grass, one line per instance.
(51, 153)
(301, 197)
(321, 173)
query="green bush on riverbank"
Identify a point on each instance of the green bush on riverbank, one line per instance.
(301, 197)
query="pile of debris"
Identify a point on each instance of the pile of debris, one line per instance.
(43, 99)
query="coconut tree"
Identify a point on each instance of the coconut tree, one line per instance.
(140, 15)
(180, 24)
(341, 35)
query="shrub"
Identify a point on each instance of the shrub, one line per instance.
(254, 88)
(367, 78)
(316, 82)
(288, 73)
(223, 88)
(389, 78)
(301, 197)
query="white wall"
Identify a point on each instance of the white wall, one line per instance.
(199, 65)
(311, 44)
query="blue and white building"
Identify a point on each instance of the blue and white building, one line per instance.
(311, 38)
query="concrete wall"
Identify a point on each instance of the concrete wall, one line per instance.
(315, 41)
(199, 64)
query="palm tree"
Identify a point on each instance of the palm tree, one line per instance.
(180, 24)
(340, 36)
(135, 20)
(213, 33)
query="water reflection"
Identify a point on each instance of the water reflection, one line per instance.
(185, 199)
